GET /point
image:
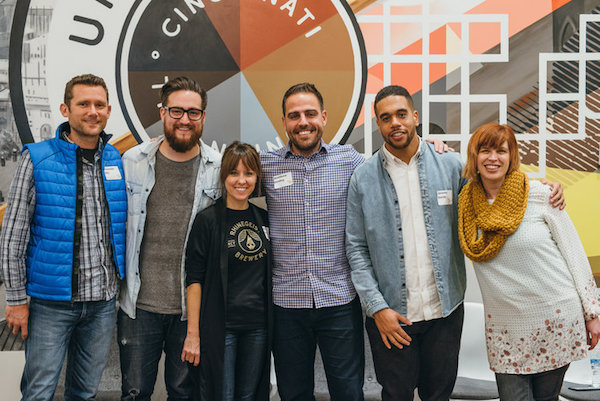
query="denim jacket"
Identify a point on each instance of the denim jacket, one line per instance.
(138, 166)
(374, 231)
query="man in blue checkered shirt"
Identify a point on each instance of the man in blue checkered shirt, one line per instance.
(306, 184)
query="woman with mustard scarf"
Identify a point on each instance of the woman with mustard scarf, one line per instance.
(541, 301)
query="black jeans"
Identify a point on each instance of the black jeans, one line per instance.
(429, 363)
(544, 386)
(338, 331)
(141, 343)
(244, 360)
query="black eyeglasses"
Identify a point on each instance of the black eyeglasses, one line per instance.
(178, 112)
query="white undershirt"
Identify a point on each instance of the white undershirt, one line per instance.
(423, 301)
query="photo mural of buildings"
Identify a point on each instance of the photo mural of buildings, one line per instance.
(534, 65)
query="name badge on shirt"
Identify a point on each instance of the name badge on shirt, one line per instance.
(283, 180)
(444, 197)
(112, 173)
(266, 231)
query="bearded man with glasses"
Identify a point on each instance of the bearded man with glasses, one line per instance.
(169, 180)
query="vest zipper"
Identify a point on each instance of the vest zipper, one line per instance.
(78, 225)
(110, 226)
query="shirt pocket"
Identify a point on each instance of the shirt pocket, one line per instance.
(212, 193)
(134, 197)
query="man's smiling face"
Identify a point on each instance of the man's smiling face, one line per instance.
(304, 122)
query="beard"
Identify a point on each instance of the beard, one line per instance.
(183, 145)
(306, 146)
(409, 138)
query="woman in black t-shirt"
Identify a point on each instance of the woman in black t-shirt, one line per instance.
(228, 267)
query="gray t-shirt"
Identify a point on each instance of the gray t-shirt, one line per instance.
(169, 210)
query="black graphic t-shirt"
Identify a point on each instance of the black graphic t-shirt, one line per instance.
(246, 291)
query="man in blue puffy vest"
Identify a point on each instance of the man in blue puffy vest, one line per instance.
(63, 245)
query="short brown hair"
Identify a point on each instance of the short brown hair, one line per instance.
(491, 136)
(182, 84)
(393, 90)
(85, 79)
(245, 152)
(304, 87)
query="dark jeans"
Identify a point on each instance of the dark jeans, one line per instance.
(338, 332)
(243, 363)
(85, 329)
(544, 386)
(429, 363)
(141, 343)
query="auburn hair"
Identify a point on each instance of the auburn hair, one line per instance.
(491, 136)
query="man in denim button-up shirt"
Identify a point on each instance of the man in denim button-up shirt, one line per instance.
(407, 265)
(168, 182)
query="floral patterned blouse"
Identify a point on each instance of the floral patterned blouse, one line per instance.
(538, 292)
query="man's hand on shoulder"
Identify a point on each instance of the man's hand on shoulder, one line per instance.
(439, 146)
(388, 323)
(17, 317)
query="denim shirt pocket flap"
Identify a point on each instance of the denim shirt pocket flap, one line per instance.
(213, 193)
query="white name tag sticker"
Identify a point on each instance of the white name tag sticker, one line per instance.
(283, 180)
(112, 173)
(444, 197)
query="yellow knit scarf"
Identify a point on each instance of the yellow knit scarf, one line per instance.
(496, 221)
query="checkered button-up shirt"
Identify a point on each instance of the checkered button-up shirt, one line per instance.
(306, 199)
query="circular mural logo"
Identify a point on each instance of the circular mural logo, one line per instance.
(244, 53)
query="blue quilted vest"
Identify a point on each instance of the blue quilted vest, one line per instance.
(52, 255)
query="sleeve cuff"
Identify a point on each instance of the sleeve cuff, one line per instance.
(376, 307)
(16, 296)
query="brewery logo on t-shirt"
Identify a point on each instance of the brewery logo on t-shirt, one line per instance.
(245, 239)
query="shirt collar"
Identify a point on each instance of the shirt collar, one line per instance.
(64, 135)
(323, 148)
(390, 158)
(205, 153)
(65, 129)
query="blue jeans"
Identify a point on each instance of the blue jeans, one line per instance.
(243, 364)
(141, 343)
(544, 386)
(430, 362)
(339, 333)
(85, 328)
